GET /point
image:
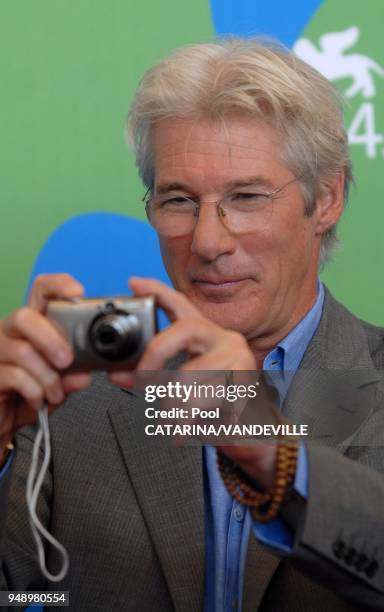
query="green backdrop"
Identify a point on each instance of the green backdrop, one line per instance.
(69, 69)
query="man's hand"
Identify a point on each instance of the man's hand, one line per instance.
(210, 347)
(32, 353)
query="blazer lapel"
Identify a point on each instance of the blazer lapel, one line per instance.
(169, 488)
(335, 389)
(259, 569)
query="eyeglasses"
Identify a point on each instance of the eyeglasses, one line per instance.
(173, 214)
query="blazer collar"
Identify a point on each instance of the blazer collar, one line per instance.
(335, 389)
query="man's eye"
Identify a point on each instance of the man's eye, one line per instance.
(248, 199)
(248, 196)
(175, 202)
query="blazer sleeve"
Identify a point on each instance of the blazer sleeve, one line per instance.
(20, 570)
(340, 537)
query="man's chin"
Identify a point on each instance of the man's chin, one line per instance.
(237, 316)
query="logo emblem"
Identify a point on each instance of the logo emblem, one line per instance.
(335, 60)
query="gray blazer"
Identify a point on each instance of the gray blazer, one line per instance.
(132, 517)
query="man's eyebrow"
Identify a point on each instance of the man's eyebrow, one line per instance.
(175, 186)
(228, 186)
(248, 182)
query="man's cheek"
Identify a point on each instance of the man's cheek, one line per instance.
(174, 253)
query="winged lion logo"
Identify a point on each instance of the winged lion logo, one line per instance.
(333, 62)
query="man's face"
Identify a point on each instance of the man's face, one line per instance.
(259, 283)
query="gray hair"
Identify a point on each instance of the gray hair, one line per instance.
(264, 80)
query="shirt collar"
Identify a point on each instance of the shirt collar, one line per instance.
(289, 352)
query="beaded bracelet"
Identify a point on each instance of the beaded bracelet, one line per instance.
(263, 505)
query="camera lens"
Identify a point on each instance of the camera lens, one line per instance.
(107, 335)
(116, 336)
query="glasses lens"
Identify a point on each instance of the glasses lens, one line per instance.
(172, 215)
(246, 212)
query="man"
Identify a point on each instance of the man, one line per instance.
(242, 149)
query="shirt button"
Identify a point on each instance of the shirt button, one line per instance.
(238, 513)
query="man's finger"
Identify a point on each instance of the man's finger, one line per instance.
(123, 379)
(13, 378)
(174, 303)
(22, 354)
(53, 286)
(76, 381)
(30, 325)
(193, 335)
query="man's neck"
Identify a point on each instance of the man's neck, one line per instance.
(261, 346)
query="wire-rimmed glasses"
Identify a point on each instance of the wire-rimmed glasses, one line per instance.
(174, 214)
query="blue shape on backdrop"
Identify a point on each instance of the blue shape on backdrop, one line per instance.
(278, 18)
(102, 250)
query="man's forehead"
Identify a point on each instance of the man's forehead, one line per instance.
(202, 153)
(240, 132)
(235, 140)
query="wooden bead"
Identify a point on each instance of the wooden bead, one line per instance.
(241, 487)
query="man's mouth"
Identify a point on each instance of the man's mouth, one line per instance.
(221, 281)
(217, 284)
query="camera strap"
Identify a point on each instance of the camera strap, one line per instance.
(35, 481)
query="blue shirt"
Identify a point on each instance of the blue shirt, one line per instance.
(227, 523)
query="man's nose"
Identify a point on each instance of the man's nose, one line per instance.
(211, 238)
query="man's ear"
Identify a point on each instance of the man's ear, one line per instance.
(330, 205)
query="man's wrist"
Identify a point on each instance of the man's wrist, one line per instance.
(259, 462)
(5, 450)
(264, 505)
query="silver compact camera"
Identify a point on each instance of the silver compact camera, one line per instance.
(106, 333)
